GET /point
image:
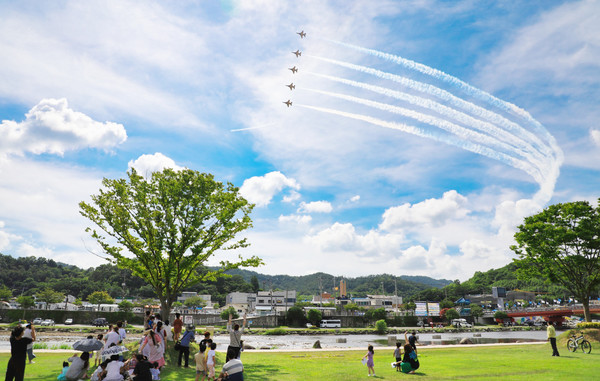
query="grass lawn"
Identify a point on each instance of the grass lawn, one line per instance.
(518, 362)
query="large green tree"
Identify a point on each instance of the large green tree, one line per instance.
(49, 296)
(166, 226)
(562, 244)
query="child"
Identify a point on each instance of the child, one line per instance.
(65, 368)
(99, 373)
(369, 357)
(398, 355)
(201, 362)
(155, 371)
(210, 361)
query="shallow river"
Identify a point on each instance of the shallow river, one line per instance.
(327, 341)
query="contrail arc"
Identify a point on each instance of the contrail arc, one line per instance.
(452, 128)
(519, 146)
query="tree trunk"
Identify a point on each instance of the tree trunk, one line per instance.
(165, 310)
(586, 309)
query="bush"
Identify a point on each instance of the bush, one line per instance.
(295, 317)
(275, 331)
(381, 326)
(588, 325)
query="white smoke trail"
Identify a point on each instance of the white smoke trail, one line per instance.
(521, 147)
(451, 99)
(252, 128)
(452, 128)
(463, 144)
(473, 91)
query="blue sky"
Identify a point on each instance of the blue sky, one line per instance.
(420, 134)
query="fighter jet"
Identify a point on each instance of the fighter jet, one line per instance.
(291, 86)
(298, 53)
(288, 103)
(302, 34)
(293, 69)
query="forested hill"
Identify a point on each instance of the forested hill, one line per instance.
(29, 275)
(405, 285)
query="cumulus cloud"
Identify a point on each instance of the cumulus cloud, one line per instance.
(431, 212)
(52, 127)
(291, 197)
(315, 207)
(260, 190)
(595, 135)
(355, 198)
(147, 164)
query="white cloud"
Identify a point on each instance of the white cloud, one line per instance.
(431, 212)
(315, 207)
(291, 197)
(147, 164)
(355, 198)
(260, 190)
(52, 127)
(595, 135)
(299, 219)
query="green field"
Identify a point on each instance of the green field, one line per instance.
(515, 362)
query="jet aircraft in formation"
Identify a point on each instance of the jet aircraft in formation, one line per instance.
(302, 34)
(293, 69)
(288, 103)
(298, 53)
(291, 86)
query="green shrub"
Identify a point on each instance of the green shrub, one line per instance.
(381, 326)
(40, 346)
(275, 331)
(588, 325)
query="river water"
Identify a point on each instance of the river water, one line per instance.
(327, 341)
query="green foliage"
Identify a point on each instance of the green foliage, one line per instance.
(381, 326)
(194, 301)
(351, 307)
(229, 311)
(314, 316)
(476, 310)
(275, 331)
(49, 296)
(562, 244)
(588, 325)
(25, 301)
(171, 224)
(375, 314)
(100, 297)
(125, 305)
(5, 293)
(295, 317)
(451, 313)
(254, 284)
(446, 303)
(500, 315)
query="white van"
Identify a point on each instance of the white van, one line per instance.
(461, 323)
(331, 323)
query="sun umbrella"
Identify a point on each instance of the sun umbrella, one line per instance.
(88, 345)
(115, 350)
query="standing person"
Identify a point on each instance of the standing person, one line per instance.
(398, 354)
(412, 340)
(121, 331)
(370, 362)
(146, 318)
(79, 366)
(235, 336)
(184, 350)
(15, 370)
(169, 332)
(211, 361)
(177, 327)
(200, 362)
(155, 352)
(30, 333)
(551, 333)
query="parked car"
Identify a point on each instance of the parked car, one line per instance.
(47, 322)
(100, 322)
(37, 321)
(69, 321)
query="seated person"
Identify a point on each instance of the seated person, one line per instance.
(409, 362)
(61, 376)
(142, 369)
(233, 369)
